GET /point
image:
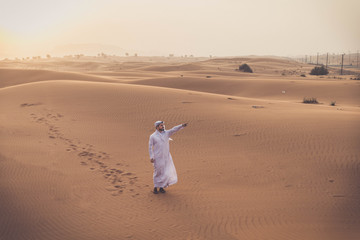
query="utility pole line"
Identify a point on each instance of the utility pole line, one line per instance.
(317, 59)
(342, 63)
(357, 59)
(327, 57)
(349, 58)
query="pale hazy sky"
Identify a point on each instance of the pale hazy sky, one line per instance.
(198, 27)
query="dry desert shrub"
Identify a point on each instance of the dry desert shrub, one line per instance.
(245, 68)
(311, 100)
(319, 71)
(356, 78)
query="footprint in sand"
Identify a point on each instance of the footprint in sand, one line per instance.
(29, 104)
(113, 175)
(118, 179)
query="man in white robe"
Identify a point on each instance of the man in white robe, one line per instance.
(164, 169)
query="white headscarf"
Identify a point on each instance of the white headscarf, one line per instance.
(157, 123)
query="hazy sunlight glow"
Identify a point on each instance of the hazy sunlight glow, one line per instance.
(159, 27)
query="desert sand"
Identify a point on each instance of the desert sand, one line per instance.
(254, 162)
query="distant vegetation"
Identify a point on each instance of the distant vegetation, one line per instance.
(319, 71)
(78, 56)
(102, 55)
(310, 100)
(245, 68)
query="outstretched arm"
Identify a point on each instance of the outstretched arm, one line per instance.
(176, 128)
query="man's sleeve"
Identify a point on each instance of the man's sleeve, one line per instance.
(175, 129)
(151, 151)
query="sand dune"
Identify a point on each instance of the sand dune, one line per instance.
(252, 164)
(11, 77)
(173, 67)
(290, 89)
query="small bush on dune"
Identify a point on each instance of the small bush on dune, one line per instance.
(310, 100)
(245, 68)
(333, 103)
(319, 71)
(356, 78)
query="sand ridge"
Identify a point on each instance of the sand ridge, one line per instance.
(251, 165)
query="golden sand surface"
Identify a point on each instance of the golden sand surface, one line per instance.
(253, 163)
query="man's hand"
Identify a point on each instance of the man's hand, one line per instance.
(185, 124)
(152, 160)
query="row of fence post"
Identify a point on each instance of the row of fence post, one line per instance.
(328, 61)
